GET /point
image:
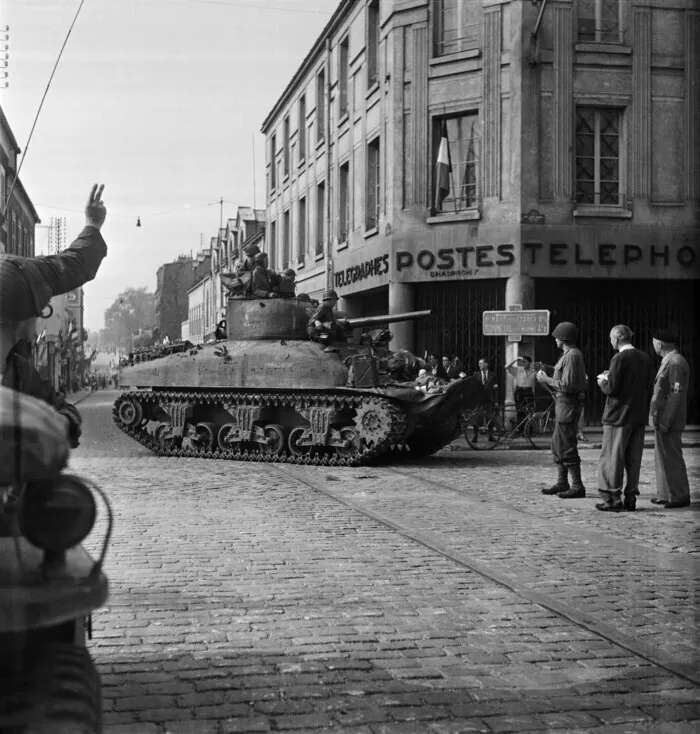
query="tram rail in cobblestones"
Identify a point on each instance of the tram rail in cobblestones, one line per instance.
(686, 672)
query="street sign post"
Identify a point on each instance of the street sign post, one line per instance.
(505, 323)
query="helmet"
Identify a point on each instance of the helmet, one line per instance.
(251, 249)
(566, 331)
(329, 296)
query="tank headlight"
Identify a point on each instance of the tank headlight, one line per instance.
(57, 515)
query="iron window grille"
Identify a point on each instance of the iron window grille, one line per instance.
(598, 133)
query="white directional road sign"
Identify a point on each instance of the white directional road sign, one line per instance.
(503, 323)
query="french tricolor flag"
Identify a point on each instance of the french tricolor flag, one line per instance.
(443, 169)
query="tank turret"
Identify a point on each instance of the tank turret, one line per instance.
(268, 392)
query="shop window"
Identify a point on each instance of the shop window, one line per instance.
(456, 26)
(372, 43)
(598, 142)
(320, 105)
(456, 153)
(599, 21)
(320, 216)
(302, 128)
(343, 77)
(301, 231)
(372, 193)
(344, 203)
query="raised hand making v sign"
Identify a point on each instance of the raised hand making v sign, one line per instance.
(95, 211)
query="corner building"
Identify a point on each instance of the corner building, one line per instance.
(569, 175)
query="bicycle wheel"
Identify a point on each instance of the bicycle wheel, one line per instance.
(482, 429)
(539, 429)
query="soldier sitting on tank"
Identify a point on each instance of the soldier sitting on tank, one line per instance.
(287, 284)
(325, 324)
(220, 331)
(237, 283)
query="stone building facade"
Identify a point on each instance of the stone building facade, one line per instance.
(18, 217)
(173, 280)
(472, 155)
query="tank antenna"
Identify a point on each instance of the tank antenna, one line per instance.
(41, 104)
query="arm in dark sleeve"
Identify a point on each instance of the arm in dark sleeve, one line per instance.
(613, 386)
(76, 265)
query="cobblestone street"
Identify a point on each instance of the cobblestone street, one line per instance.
(447, 595)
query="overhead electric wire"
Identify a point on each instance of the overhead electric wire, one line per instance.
(258, 6)
(41, 104)
(112, 213)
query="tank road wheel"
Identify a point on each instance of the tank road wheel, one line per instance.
(165, 443)
(274, 434)
(353, 443)
(130, 413)
(202, 437)
(295, 447)
(224, 437)
(373, 421)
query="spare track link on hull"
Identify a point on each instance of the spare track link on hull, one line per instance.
(131, 409)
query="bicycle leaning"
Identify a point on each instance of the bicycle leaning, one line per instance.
(485, 427)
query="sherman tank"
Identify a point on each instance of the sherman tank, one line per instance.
(269, 393)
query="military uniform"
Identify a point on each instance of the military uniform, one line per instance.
(26, 287)
(668, 412)
(569, 385)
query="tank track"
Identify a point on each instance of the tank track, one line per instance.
(381, 440)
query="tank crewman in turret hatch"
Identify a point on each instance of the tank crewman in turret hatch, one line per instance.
(264, 282)
(325, 324)
(26, 286)
(238, 282)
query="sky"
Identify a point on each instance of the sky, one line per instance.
(160, 100)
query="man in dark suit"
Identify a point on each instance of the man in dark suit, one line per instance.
(488, 379)
(627, 387)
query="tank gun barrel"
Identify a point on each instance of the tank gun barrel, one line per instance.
(387, 319)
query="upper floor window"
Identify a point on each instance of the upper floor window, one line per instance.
(320, 216)
(273, 162)
(272, 249)
(598, 156)
(599, 21)
(343, 77)
(456, 156)
(456, 26)
(302, 127)
(286, 233)
(372, 43)
(320, 105)
(285, 151)
(301, 230)
(373, 192)
(344, 203)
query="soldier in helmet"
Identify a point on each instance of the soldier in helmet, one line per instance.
(325, 325)
(26, 287)
(568, 383)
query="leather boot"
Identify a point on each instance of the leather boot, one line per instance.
(562, 481)
(577, 489)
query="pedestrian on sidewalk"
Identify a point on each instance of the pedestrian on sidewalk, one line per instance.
(667, 415)
(27, 284)
(525, 381)
(627, 386)
(568, 384)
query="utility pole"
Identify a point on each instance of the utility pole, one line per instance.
(254, 184)
(221, 212)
